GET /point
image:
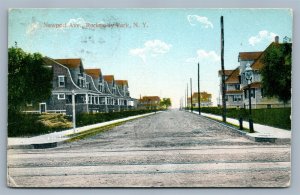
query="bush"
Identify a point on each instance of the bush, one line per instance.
(88, 119)
(276, 117)
(36, 124)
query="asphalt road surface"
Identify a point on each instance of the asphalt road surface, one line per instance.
(168, 149)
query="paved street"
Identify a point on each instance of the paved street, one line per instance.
(168, 149)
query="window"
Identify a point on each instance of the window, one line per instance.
(237, 86)
(90, 100)
(100, 87)
(61, 81)
(237, 98)
(262, 92)
(253, 93)
(102, 100)
(61, 96)
(80, 82)
(88, 85)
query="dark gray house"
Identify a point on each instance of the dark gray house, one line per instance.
(93, 91)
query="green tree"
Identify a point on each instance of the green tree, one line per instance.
(276, 72)
(165, 103)
(29, 79)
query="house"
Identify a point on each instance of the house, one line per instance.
(149, 102)
(205, 99)
(236, 85)
(93, 91)
(258, 99)
(233, 92)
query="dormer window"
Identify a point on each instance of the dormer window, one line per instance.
(61, 81)
(81, 81)
(88, 86)
(100, 87)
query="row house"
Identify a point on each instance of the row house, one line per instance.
(149, 102)
(93, 91)
(236, 86)
(205, 99)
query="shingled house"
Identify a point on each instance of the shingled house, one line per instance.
(93, 91)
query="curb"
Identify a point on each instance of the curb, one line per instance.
(249, 135)
(58, 143)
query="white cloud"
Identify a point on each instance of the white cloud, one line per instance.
(202, 55)
(201, 19)
(32, 27)
(262, 35)
(151, 48)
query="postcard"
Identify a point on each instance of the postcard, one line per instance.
(149, 97)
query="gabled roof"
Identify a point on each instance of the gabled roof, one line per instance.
(227, 72)
(203, 95)
(70, 63)
(109, 78)
(249, 55)
(234, 76)
(122, 82)
(258, 64)
(93, 72)
(253, 85)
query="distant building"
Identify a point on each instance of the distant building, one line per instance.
(149, 102)
(205, 99)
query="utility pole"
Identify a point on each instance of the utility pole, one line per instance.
(187, 95)
(184, 100)
(223, 71)
(199, 105)
(191, 95)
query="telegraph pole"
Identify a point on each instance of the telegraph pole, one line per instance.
(223, 71)
(187, 95)
(184, 100)
(191, 95)
(199, 106)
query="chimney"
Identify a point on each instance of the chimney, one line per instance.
(276, 39)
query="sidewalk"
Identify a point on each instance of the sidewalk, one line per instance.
(54, 139)
(262, 133)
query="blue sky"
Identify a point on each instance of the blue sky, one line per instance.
(158, 50)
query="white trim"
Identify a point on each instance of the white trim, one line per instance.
(64, 80)
(108, 88)
(93, 83)
(59, 98)
(119, 91)
(41, 107)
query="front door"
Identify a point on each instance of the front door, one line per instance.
(42, 107)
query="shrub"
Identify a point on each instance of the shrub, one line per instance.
(93, 118)
(276, 117)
